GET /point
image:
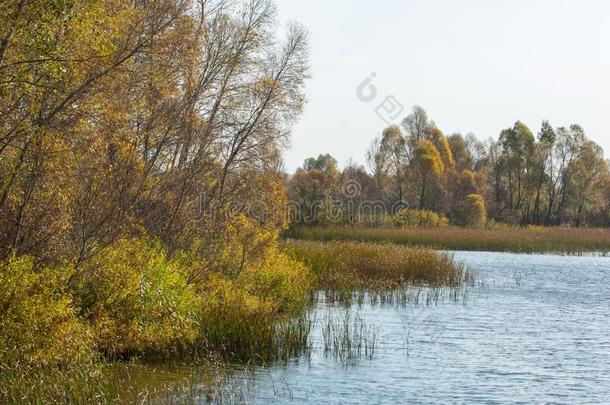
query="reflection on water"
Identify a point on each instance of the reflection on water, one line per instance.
(537, 330)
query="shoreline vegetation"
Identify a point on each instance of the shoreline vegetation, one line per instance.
(64, 330)
(530, 240)
(352, 266)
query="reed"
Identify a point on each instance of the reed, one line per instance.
(574, 241)
(259, 337)
(348, 337)
(342, 268)
(77, 383)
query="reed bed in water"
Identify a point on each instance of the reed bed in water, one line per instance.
(257, 338)
(404, 297)
(346, 267)
(82, 383)
(349, 338)
(507, 239)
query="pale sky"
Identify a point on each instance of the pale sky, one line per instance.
(475, 66)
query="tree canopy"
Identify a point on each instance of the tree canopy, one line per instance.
(557, 177)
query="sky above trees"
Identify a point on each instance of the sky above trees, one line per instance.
(475, 66)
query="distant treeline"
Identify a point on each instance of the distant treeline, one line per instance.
(554, 177)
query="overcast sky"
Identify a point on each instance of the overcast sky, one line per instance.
(474, 65)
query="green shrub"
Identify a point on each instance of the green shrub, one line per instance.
(420, 219)
(471, 211)
(136, 299)
(240, 315)
(38, 325)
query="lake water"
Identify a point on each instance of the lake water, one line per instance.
(534, 329)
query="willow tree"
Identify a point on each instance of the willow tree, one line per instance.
(312, 187)
(441, 144)
(416, 125)
(427, 170)
(589, 172)
(470, 211)
(539, 172)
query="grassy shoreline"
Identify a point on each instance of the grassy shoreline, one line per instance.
(572, 241)
(135, 303)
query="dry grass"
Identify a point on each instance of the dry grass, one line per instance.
(518, 240)
(352, 266)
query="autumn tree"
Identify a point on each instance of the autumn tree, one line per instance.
(55, 59)
(389, 158)
(141, 118)
(427, 169)
(312, 188)
(471, 211)
(588, 174)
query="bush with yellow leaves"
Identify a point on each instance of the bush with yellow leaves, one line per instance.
(409, 218)
(38, 325)
(136, 299)
(471, 211)
(240, 314)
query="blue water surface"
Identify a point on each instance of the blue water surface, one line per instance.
(535, 328)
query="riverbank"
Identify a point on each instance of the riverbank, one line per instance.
(63, 329)
(572, 241)
(535, 331)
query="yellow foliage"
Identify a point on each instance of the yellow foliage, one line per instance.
(244, 242)
(136, 299)
(442, 145)
(279, 280)
(239, 315)
(420, 219)
(471, 211)
(429, 158)
(38, 325)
